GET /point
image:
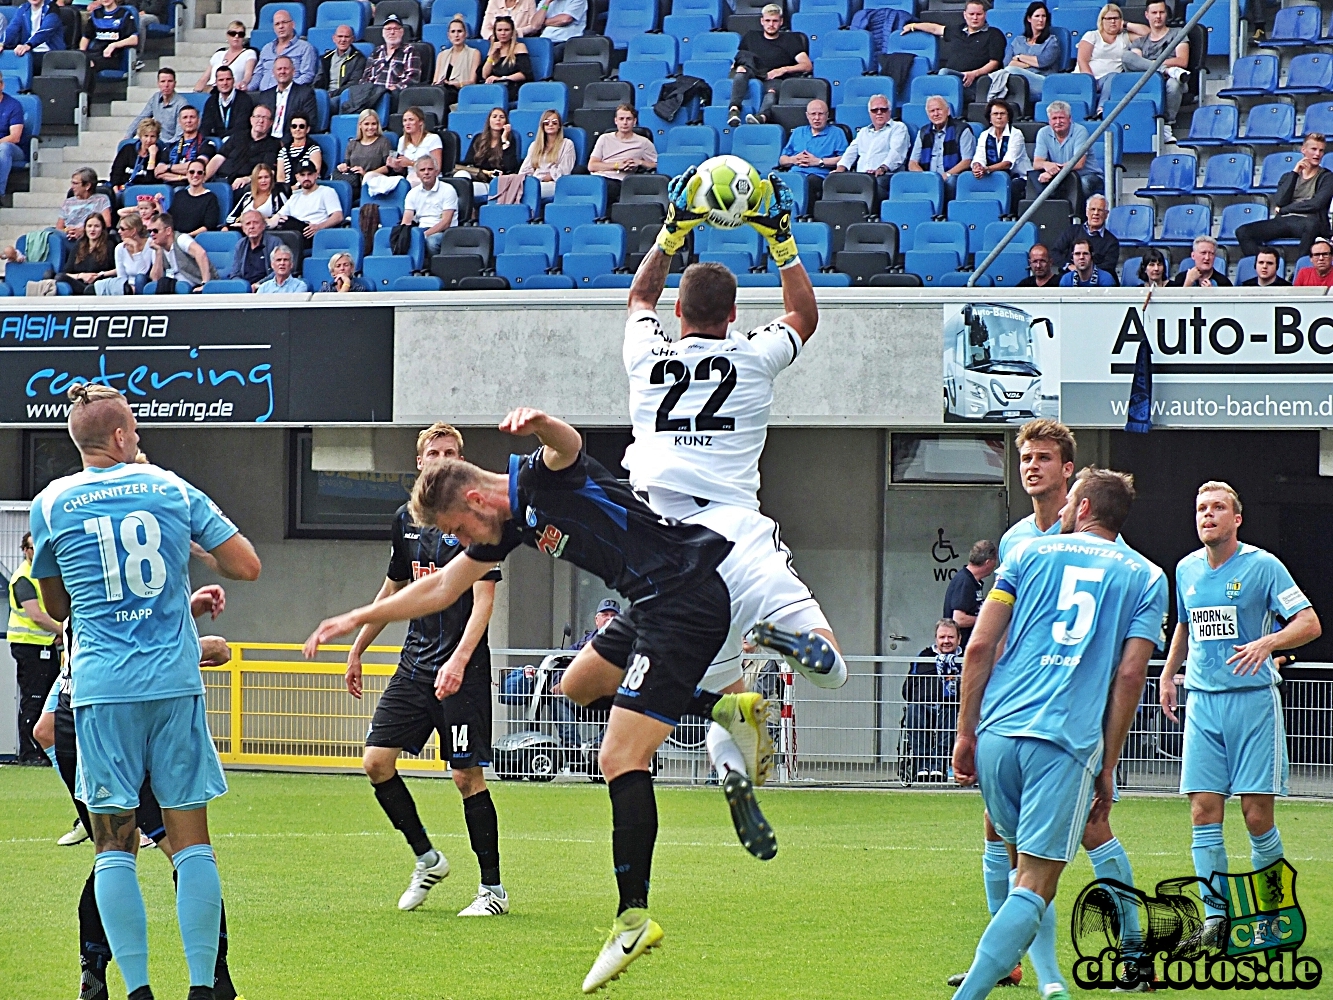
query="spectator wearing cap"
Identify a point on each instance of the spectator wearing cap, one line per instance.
(283, 281)
(1201, 273)
(1320, 272)
(311, 207)
(880, 148)
(1084, 272)
(944, 145)
(1265, 271)
(813, 150)
(767, 55)
(607, 610)
(393, 65)
(302, 54)
(522, 12)
(969, 51)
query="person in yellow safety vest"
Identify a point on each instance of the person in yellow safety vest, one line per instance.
(34, 641)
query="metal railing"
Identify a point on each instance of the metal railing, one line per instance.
(270, 707)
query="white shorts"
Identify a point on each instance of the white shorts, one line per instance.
(758, 572)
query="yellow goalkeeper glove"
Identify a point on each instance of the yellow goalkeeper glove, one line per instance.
(680, 217)
(772, 219)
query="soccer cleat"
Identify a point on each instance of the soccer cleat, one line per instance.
(423, 879)
(1054, 991)
(633, 933)
(91, 987)
(487, 904)
(745, 717)
(808, 652)
(76, 835)
(1208, 939)
(1013, 979)
(756, 835)
(146, 843)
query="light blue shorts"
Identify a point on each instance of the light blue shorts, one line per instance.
(1235, 743)
(121, 743)
(1038, 796)
(52, 698)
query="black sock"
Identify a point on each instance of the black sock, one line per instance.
(399, 806)
(201, 993)
(702, 704)
(633, 833)
(94, 951)
(222, 984)
(142, 993)
(483, 829)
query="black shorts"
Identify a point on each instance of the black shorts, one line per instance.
(408, 712)
(665, 644)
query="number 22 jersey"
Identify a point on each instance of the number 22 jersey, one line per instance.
(120, 540)
(700, 407)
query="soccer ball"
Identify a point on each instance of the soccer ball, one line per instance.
(727, 187)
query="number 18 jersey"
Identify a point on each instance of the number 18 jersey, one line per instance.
(120, 540)
(700, 407)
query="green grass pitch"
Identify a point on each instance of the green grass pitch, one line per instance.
(872, 894)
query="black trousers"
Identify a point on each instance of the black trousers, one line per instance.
(740, 86)
(35, 677)
(1253, 235)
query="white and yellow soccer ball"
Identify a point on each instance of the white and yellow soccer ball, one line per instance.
(728, 187)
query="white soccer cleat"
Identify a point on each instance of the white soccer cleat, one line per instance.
(633, 933)
(146, 843)
(745, 717)
(487, 904)
(423, 879)
(77, 835)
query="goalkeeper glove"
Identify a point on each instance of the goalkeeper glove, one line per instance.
(774, 224)
(680, 217)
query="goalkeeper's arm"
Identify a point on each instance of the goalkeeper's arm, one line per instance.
(798, 298)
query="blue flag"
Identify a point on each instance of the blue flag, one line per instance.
(1140, 392)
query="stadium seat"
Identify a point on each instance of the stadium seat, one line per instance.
(1272, 169)
(1311, 73)
(542, 96)
(133, 192)
(718, 45)
(1245, 269)
(517, 267)
(564, 219)
(686, 146)
(855, 97)
(227, 286)
(1252, 76)
(743, 241)
(840, 7)
(839, 215)
(618, 281)
(1170, 175)
(922, 185)
(760, 144)
(417, 283)
(919, 43)
(1234, 216)
(974, 216)
(549, 281)
(1318, 118)
(992, 187)
(869, 248)
(602, 239)
(1181, 223)
(452, 269)
(948, 87)
(584, 189)
(541, 53)
(930, 265)
(483, 97)
(474, 240)
(628, 18)
(659, 48)
(995, 231)
(851, 186)
(17, 275)
(814, 242)
(1269, 125)
(296, 10)
(907, 216)
(1132, 225)
(219, 242)
(710, 8)
(1121, 84)
(838, 70)
(641, 74)
(1129, 272)
(830, 280)
(896, 281)
(960, 279)
(1227, 173)
(1137, 125)
(583, 267)
(1293, 27)
(1077, 110)
(315, 272)
(815, 24)
(380, 272)
(761, 280)
(327, 242)
(1070, 87)
(536, 238)
(845, 45)
(332, 13)
(684, 28)
(1213, 125)
(417, 253)
(1008, 268)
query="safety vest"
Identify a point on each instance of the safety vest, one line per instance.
(23, 629)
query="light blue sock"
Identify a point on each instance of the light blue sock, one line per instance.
(1265, 848)
(51, 752)
(995, 873)
(1210, 855)
(119, 901)
(1010, 933)
(1111, 862)
(199, 910)
(1042, 951)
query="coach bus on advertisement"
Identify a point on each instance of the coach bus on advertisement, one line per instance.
(991, 369)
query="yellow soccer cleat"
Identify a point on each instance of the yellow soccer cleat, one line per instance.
(745, 717)
(633, 933)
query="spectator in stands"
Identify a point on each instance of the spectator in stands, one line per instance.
(1040, 272)
(151, 12)
(146, 208)
(1201, 273)
(1083, 272)
(1146, 45)
(1031, 55)
(962, 600)
(36, 28)
(432, 205)
(283, 281)
(1265, 271)
(190, 145)
(236, 55)
(1320, 271)
(928, 722)
(177, 258)
(341, 66)
(1001, 150)
(416, 142)
(367, 153)
(1300, 205)
(164, 106)
(1057, 143)
(766, 55)
(242, 153)
(813, 150)
(622, 152)
(11, 134)
(133, 258)
(561, 20)
(494, 150)
(969, 51)
(110, 30)
(263, 196)
(137, 163)
(1105, 247)
(342, 274)
(522, 15)
(310, 208)
(880, 148)
(227, 110)
(300, 149)
(1154, 270)
(287, 99)
(551, 155)
(94, 258)
(1101, 53)
(458, 63)
(508, 61)
(195, 208)
(944, 146)
(393, 65)
(249, 261)
(298, 50)
(82, 203)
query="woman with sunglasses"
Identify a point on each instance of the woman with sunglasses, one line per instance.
(134, 259)
(263, 196)
(236, 54)
(195, 209)
(299, 150)
(551, 155)
(94, 258)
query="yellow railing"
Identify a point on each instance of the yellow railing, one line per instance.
(268, 705)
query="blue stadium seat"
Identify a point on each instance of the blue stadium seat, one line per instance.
(930, 265)
(518, 267)
(816, 24)
(712, 9)
(840, 7)
(1212, 125)
(831, 280)
(948, 87)
(603, 239)
(417, 283)
(342, 128)
(908, 216)
(1227, 173)
(918, 43)
(586, 189)
(564, 219)
(1311, 73)
(1181, 223)
(743, 240)
(1293, 27)
(1069, 87)
(959, 279)
(704, 69)
(542, 96)
(1026, 238)
(760, 280)
(329, 241)
(535, 238)
(196, 101)
(760, 144)
(941, 236)
(837, 71)
(719, 45)
(1132, 225)
(1270, 125)
(814, 241)
(583, 267)
(628, 18)
(220, 242)
(296, 10)
(642, 74)
(18, 275)
(975, 216)
(993, 187)
(464, 124)
(227, 286)
(380, 272)
(417, 252)
(1138, 126)
(394, 198)
(923, 185)
(661, 48)
(1234, 216)
(315, 272)
(649, 119)
(622, 281)
(1129, 273)
(855, 96)
(332, 13)
(1318, 118)
(914, 117)
(685, 28)
(735, 262)
(1008, 268)
(1121, 84)
(686, 146)
(1251, 76)
(483, 97)
(57, 249)
(499, 219)
(905, 5)
(343, 189)
(1274, 166)
(541, 53)
(443, 13)
(553, 281)
(845, 45)
(1170, 175)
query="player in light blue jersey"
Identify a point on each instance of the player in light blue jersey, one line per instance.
(1228, 595)
(1043, 727)
(113, 548)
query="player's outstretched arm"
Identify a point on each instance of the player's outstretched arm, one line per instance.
(1175, 659)
(426, 596)
(236, 559)
(772, 220)
(561, 443)
(649, 280)
(1126, 688)
(798, 298)
(978, 661)
(1304, 627)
